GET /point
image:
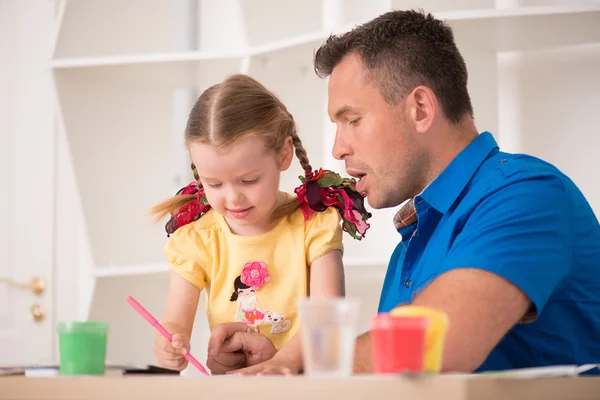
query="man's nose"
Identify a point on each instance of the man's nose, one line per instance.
(341, 149)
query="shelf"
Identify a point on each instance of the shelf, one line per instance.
(288, 72)
(265, 20)
(527, 29)
(184, 57)
(360, 262)
(130, 270)
(122, 139)
(164, 72)
(138, 59)
(548, 3)
(559, 126)
(164, 26)
(504, 28)
(161, 268)
(348, 13)
(91, 27)
(486, 8)
(459, 15)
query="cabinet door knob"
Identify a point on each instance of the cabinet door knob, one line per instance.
(38, 313)
(37, 286)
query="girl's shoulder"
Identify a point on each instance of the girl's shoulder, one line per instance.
(209, 221)
(199, 230)
(328, 217)
(196, 214)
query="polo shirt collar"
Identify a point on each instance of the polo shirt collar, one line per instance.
(444, 190)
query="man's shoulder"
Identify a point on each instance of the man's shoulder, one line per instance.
(503, 173)
(508, 184)
(505, 168)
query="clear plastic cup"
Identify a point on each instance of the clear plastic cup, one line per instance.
(398, 344)
(82, 347)
(328, 330)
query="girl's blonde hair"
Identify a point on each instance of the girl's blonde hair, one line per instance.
(231, 110)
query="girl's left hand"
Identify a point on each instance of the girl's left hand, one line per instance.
(269, 367)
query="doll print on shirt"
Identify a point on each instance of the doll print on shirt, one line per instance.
(249, 311)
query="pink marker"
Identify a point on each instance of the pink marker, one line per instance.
(148, 317)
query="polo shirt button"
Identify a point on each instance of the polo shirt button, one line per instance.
(503, 160)
(408, 283)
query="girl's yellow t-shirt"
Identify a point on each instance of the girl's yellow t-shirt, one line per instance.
(254, 279)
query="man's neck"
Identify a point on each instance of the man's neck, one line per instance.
(450, 140)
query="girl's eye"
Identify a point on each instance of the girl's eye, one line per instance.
(250, 182)
(214, 185)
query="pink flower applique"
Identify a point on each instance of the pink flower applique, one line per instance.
(255, 274)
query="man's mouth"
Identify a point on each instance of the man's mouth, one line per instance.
(361, 179)
(355, 174)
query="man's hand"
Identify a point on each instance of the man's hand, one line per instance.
(234, 345)
(269, 367)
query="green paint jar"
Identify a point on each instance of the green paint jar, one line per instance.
(82, 347)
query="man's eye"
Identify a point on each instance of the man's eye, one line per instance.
(355, 121)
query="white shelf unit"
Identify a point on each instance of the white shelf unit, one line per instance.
(126, 72)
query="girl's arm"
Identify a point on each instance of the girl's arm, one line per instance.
(178, 319)
(181, 305)
(326, 280)
(327, 276)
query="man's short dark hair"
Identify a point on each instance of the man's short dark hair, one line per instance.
(400, 51)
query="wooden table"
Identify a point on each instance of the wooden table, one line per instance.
(161, 387)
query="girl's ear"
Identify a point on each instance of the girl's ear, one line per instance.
(286, 154)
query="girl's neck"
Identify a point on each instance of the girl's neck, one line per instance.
(262, 226)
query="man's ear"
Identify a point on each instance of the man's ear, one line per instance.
(422, 108)
(286, 155)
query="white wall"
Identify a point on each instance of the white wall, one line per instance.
(554, 111)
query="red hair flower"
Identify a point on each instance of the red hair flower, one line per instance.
(191, 211)
(323, 188)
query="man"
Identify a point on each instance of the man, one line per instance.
(505, 244)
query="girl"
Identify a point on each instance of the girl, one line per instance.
(235, 234)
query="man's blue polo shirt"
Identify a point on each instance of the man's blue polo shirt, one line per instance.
(522, 219)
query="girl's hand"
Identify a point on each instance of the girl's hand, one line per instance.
(171, 355)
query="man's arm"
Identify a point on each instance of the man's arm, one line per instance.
(512, 252)
(363, 357)
(477, 325)
(481, 306)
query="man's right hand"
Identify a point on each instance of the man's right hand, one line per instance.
(234, 345)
